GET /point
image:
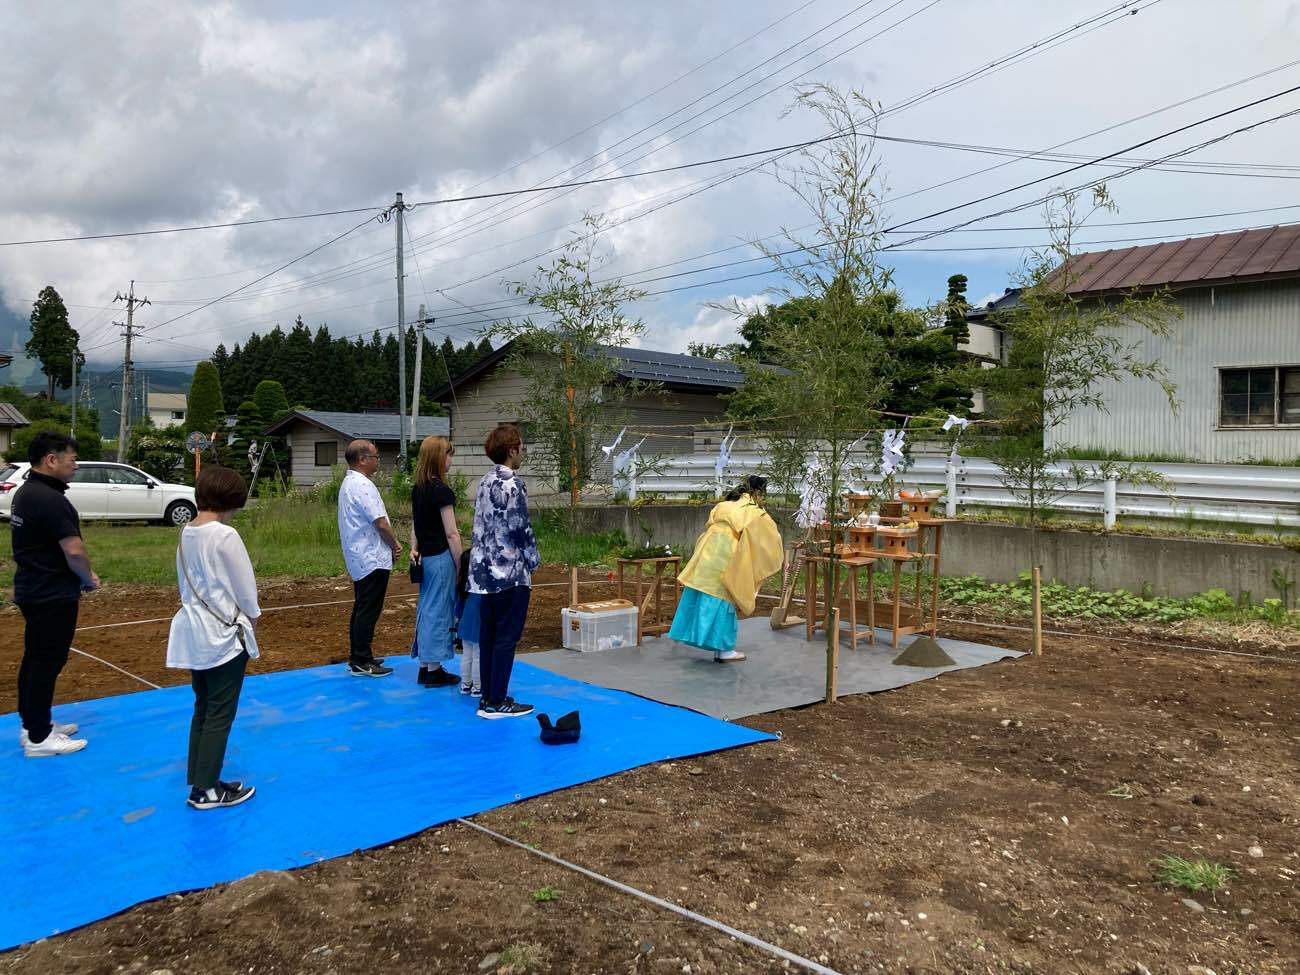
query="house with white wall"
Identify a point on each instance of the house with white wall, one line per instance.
(167, 409)
(1233, 355)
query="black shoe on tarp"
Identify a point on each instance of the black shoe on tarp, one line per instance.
(566, 730)
(437, 678)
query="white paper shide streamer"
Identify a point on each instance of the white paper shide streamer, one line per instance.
(891, 451)
(724, 454)
(812, 501)
(607, 451)
(961, 423)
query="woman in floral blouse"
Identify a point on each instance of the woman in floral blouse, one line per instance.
(503, 555)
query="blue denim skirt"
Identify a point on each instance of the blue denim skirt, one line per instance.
(435, 617)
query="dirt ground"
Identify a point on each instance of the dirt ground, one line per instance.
(976, 823)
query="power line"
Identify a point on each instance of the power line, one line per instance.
(181, 230)
(443, 290)
(997, 64)
(954, 83)
(1258, 170)
(646, 97)
(295, 260)
(1101, 159)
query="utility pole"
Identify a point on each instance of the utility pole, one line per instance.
(128, 368)
(398, 209)
(419, 358)
(74, 390)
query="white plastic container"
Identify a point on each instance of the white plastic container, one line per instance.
(599, 626)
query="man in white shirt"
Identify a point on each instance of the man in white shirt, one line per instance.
(369, 547)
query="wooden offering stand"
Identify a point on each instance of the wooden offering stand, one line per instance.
(654, 617)
(909, 619)
(858, 553)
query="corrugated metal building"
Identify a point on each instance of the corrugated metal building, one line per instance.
(687, 397)
(1234, 356)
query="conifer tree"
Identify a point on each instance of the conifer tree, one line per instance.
(205, 409)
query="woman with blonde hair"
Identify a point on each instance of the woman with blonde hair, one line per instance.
(435, 549)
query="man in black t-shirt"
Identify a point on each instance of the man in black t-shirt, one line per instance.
(53, 571)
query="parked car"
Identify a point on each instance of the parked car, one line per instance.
(111, 492)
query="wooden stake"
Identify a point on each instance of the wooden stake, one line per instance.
(833, 659)
(573, 586)
(1038, 611)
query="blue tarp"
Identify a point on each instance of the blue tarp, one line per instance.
(340, 764)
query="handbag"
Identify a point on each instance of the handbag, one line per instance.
(234, 624)
(415, 568)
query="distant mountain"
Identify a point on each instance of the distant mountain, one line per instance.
(106, 395)
(105, 389)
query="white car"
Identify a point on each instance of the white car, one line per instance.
(111, 492)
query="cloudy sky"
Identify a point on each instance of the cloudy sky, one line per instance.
(133, 116)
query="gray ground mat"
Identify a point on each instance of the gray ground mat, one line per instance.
(783, 670)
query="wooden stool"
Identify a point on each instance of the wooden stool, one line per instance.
(851, 564)
(854, 563)
(654, 617)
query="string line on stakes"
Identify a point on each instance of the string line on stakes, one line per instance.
(788, 957)
(1095, 636)
(91, 656)
(294, 606)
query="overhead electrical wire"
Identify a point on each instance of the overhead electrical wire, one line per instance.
(441, 290)
(996, 64)
(960, 79)
(646, 97)
(1001, 61)
(1182, 128)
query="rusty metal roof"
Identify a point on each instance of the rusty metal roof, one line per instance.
(1251, 255)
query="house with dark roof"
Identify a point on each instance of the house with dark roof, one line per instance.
(11, 418)
(687, 397)
(1234, 355)
(316, 439)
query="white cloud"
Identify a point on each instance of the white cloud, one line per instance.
(142, 113)
(710, 326)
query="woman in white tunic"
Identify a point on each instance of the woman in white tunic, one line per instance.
(212, 635)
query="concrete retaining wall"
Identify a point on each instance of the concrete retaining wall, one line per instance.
(1171, 566)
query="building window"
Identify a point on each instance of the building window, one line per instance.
(178, 414)
(1267, 396)
(327, 453)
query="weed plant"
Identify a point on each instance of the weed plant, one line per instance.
(1080, 602)
(1196, 876)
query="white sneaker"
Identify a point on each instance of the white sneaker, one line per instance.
(55, 744)
(728, 656)
(59, 729)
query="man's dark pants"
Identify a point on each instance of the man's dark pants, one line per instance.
(367, 604)
(46, 640)
(216, 698)
(501, 626)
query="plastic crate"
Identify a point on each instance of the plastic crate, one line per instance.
(590, 627)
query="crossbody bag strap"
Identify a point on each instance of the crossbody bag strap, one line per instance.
(180, 552)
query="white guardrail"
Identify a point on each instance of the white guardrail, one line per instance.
(1205, 492)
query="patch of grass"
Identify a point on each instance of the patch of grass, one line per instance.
(1196, 876)
(522, 958)
(295, 536)
(544, 895)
